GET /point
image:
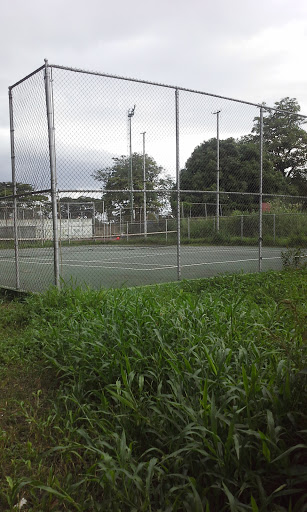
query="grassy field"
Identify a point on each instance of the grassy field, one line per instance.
(189, 396)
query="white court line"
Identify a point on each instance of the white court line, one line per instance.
(93, 266)
(110, 263)
(82, 263)
(151, 269)
(186, 250)
(231, 261)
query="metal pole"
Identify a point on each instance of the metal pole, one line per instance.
(130, 115)
(144, 186)
(189, 234)
(166, 230)
(217, 113)
(15, 218)
(68, 223)
(178, 184)
(50, 120)
(242, 221)
(260, 189)
(42, 223)
(104, 222)
(94, 220)
(131, 185)
(274, 227)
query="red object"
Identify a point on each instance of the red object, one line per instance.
(266, 207)
(118, 238)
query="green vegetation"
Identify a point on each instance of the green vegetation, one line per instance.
(180, 397)
(284, 162)
(280, 229)
(116, 177)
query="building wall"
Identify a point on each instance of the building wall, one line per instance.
(43, 228)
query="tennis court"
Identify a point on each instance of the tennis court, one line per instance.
(116, 266)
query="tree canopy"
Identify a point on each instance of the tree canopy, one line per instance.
(239, 172)
(284, 161)
(6, 189)
(116, 177)
(284, 138)
(81, 207)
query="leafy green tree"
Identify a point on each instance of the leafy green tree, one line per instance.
(285, 140)
(239, 172)
(6, 189)
(81, 207)
(116, 177)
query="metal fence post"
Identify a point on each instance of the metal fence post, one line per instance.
(104, 222)
(15, 218)
(68, 223)
(260, 189)
(51, 139)
(274, 227)
(93, 221)
(242, 221)
(178, 184)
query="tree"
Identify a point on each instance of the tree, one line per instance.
(285, 140)
(82, 207)
(239, 172)
(6, 189)
(116, 177)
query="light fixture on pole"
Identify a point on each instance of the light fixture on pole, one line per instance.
(217, 113)
(144, 186)
(130, 115)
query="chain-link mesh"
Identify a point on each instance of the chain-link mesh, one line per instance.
(126, 182)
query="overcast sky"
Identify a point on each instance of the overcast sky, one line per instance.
(254, 50)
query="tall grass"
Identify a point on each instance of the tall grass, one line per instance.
(182, 397)
(280, 229)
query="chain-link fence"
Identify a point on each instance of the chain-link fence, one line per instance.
(122, 182)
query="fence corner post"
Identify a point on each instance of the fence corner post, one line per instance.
(15, 206)
(51, 139)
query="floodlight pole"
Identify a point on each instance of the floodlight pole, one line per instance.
(144, 186)
(130, 115)
(217, 113)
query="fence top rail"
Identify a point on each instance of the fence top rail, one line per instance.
(148, 82)
(26, 77)
(155, 190)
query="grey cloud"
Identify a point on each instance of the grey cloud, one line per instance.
(199, 44)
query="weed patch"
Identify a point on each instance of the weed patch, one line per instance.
(188, 396)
